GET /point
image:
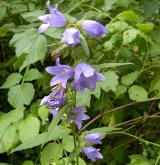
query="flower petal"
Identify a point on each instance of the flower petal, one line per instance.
(42, 28)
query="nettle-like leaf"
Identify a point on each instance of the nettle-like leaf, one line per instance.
(32, 74)
(30, 43)
(28, 162)
(21, 95)
(155, 85)
(8, 134)
(28, 128)
(11, 80)
(145, 27)
(137, 93)
(51, 153)
(129, 35)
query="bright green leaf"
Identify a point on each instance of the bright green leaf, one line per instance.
(28, 162)
(137, 93)
(32, 74)
(12, 80)
(129, 78)
(28, 128)
(145, 27)
(21, 95)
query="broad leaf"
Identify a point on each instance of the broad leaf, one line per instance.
(21, 95)
(137, 93)
(12, 80)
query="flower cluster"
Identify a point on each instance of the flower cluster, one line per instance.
(71, 36)
(91, 152)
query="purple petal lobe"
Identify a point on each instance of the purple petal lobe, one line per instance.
(42, 28)
(77, 115)
(92, 153)
(54, 111)
(71, 37)
(94, 138)
(93, 28)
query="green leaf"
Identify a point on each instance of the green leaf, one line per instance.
(30, 43)
(155, 85)
(129, 78)
(21, 95)
(83, 98)
(68, 143)
(32, 74)
(28, 162)
(59, 132)
(8, 118)
(51, 153)
(110, 82)
(145, 27)
(28, 128)
(97, 91)
(5, 29)
(108, 4)
(12, 80)
(43, 113)
(129, 35)
(9, 139)
(128, 15)
(84, 45)
(33, 15)
(120, 90)
(36, 52)
(137, 93)
(4, 164)
(54, 32)
(139, 160)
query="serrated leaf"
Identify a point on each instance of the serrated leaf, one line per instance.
(68, 143)
(120, 90)
(85, 45)
(108, 4)
(54, 32)
(9, 139)
(129, 78)
(43, 113)
(28, 128)
(21, 95)
(83, 98)
(137, 93)
(110, 82)
(11, 80)
(129, 35)
(51, 153)
(32, 74)
(36, 52)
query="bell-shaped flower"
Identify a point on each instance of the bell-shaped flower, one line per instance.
(56, 98)
(54, 111)
(78, 116)
(92, 153)
(71, 37)
(93, 28)
(62, 73)
(94, 138)
(54, 19)
(86, 77)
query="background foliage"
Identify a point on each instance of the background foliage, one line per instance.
(129, 57)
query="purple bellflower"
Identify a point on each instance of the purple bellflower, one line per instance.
(56, 98)
(54, 111)
(92, 153)
(77, 115)
(93, 28)
(62, 73)
(54, 19)
(86, 77)
(71, 37)
(94, 138)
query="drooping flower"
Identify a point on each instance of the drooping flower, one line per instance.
(86, 77)
(77, 115)
(54, 19)
(94, 138)
(71, 37)
(56, 98)
(62, 73)
(93, 28)
(92, 153)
